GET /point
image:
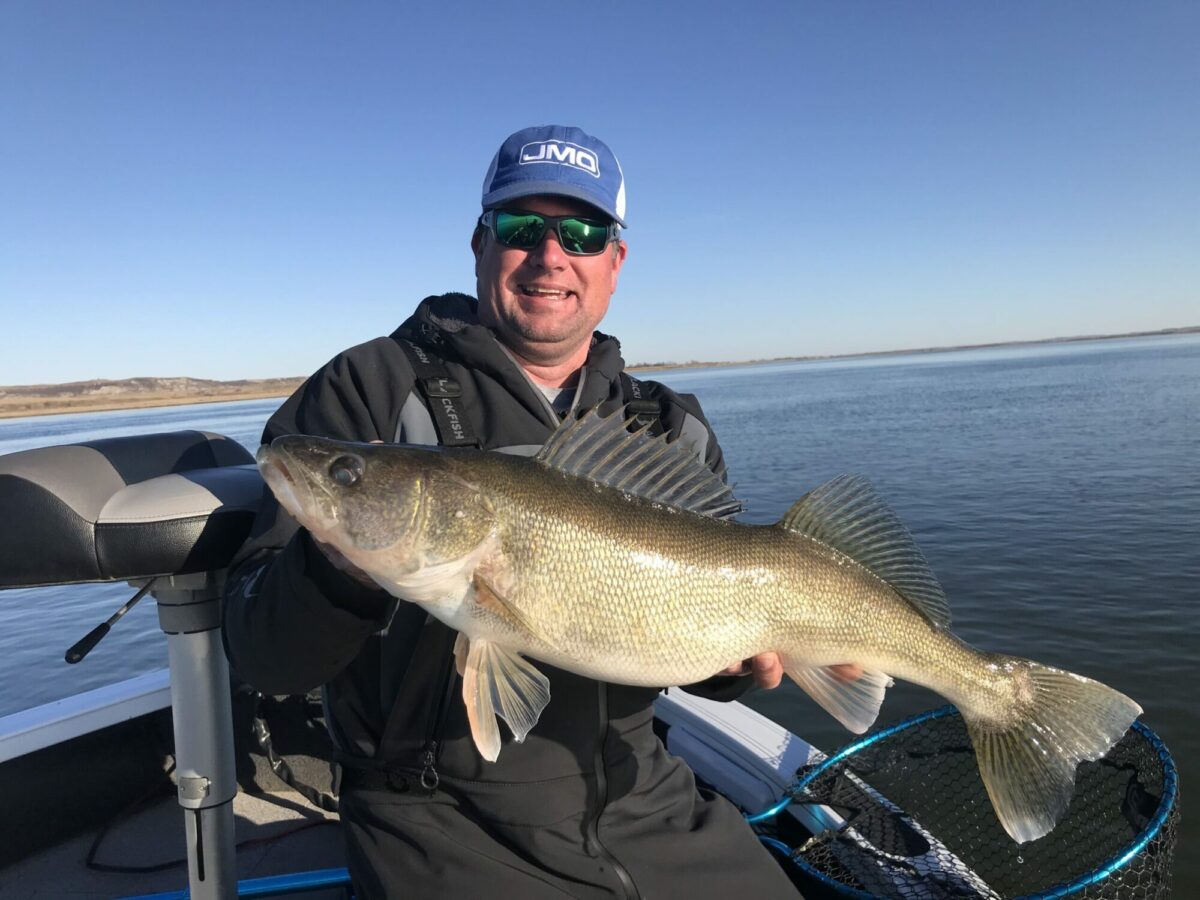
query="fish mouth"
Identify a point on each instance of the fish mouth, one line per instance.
(279, 478)
(283, 469)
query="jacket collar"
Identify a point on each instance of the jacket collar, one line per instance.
(452, 320)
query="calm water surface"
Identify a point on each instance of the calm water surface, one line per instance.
(1055, 490)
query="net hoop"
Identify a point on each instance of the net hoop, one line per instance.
(1098, 874)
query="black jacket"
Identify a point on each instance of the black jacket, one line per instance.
(590, 804)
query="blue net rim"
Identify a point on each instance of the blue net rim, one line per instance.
(1155, 825)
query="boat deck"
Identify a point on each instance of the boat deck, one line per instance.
(277, 833)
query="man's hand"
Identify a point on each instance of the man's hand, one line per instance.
(767, 670)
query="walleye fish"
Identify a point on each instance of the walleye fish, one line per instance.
(611, 554)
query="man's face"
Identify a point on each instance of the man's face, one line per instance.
(544, 303)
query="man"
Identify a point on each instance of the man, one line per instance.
(590, 805)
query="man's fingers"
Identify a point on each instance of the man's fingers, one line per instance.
(768, 670)
(847, 672)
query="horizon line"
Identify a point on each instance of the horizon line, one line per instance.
(949, 348)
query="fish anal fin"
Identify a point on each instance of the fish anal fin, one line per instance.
(855, 703)
(498, 682)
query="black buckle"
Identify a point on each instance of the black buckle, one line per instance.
(440, 386)
(397, 782)
(430, 334)
(376, 779)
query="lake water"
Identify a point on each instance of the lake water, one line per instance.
(1055, 489)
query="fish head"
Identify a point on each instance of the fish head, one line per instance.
(389, 509)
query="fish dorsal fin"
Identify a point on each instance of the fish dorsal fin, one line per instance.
(603, 450)
(847, 515)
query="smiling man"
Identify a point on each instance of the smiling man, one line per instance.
(544, 303)
(589, 805)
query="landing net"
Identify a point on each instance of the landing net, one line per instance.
(912, 820)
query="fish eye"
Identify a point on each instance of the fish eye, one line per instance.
(346, 470)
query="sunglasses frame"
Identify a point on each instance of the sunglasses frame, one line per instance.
(612, 229)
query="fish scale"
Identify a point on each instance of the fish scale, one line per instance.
(664, 581)
(658, 581)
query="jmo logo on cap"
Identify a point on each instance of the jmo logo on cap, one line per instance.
(561, 152)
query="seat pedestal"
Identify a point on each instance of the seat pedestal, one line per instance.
(189, 611)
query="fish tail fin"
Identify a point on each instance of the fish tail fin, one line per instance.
(855, 702)
(1028, 762)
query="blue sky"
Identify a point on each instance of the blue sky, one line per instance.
(238, 190)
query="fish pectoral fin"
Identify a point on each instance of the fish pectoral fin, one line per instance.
(491, 599)
(497, 680)
(853, 703)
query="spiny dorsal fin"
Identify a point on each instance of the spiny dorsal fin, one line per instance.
(603, 450)
(850, 517)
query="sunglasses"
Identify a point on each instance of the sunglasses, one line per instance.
(525, 230)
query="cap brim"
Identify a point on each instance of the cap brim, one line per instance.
(548, 188)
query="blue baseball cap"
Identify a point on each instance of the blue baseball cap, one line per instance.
(558, 160)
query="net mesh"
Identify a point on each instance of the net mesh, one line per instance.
(1116, 840)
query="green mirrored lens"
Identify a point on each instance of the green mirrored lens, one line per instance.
(582, 235)
(523, 231)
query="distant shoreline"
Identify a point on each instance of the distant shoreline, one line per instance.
(695, 364)
(142, 393)
(134, 393)
(87, 405)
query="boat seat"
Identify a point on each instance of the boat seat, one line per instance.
(124, 508)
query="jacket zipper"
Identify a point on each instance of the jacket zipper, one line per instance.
(578, 393)
(628, 888)
(437, 725)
